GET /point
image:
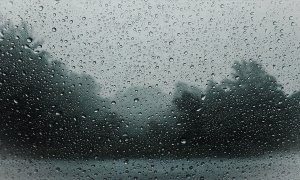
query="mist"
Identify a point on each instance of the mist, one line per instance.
(50, 111)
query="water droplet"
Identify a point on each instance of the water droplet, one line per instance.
(29, 40)
(53, 29)
(57, 169)
(126, 161)
(203, 97)
(183, 141)
(136, 100)
(113, 102)
(293, 24)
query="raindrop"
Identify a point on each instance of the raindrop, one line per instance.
(126, 161)
(29, 40)
(57, 169)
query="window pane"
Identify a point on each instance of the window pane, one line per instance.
(149, 89)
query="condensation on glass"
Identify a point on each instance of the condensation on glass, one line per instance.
(149, 89)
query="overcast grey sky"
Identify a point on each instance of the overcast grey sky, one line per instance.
(144, 43)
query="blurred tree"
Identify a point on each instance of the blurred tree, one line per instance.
(47, 110)
(248, 114)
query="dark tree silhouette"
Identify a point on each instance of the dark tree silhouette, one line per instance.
(47, 110)
(248, 114)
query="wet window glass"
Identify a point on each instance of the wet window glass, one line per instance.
(148, 89)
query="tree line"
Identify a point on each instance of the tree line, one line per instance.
(48, 111)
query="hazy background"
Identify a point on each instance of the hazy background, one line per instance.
(157, 43)
(137, 51)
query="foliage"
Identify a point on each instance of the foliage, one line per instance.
(248, 114)
(45, 108)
